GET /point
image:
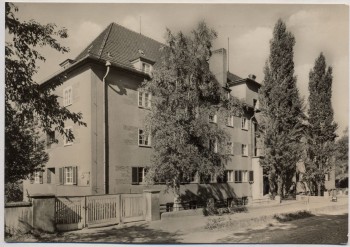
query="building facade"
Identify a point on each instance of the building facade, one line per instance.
(109, 156)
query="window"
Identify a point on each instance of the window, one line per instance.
(147, 68)
(68, 175)
(230, 148)
(38, 177)
(230, 121)
(144, 99)
(206, 179)
(244, 150)
(50, 138)
(138, 175)
(213, 145)
(242, 176)
(50, 175)
(144, 139)
(229, 175)
(244, 124)
(193, 178)
(326, 177)
(212, 118)
(67, 142)
(251, 176)
(67, 96)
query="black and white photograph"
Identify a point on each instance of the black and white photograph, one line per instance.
(175, 123)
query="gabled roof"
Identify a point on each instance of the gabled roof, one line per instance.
(120, 46)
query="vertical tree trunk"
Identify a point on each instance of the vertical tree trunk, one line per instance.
(279, 186)
(177, 199)
(319, 188)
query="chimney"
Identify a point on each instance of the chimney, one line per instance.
(218, 65)
(66, 63)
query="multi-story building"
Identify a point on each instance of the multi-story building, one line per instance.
(109, 156)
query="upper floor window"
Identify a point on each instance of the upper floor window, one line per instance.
(326, 177)
(229, 121)
(144, 138)
(213, 118)
(145, 67)
(244, 123)
(68, 96)
(138, 175)
(229, 175)
(213, 145)
(144, 99)
(50, 138)
(244, 150)
(66, 141)
(230, 148)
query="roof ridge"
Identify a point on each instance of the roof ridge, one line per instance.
(138, 33)
(91, 43)
(104, 41)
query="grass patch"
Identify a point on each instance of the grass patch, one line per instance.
(292, 216)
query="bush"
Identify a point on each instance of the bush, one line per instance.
(210, 208)
(214, 223)
(13, 192)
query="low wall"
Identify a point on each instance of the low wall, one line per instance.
(18, 217)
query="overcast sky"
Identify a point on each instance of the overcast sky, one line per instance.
(317, 28)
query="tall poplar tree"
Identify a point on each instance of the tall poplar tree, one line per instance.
(281, 112)
(184, 94)
(321, 128)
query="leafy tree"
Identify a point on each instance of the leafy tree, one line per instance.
(184, 94)
(29, 107)
(321, 129)
(341, 160)
(281, 112)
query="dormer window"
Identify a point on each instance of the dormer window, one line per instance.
(146, 68)
(143, 64)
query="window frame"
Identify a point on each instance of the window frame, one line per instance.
(143, 101)
(67, 99)
(38, 177)
(244, 150)
(50, 138)
(135, 173)
(244, 123)
(229, 176)
(215, 146)
(230, 148)
(230, 121)
(142, 140)
(65, 139)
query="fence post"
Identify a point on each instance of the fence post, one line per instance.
(152, 206)
(44, 212)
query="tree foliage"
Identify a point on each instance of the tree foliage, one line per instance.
(321, 128)
(29, 107)
(184, 94)
(342, 160)
(281, 112)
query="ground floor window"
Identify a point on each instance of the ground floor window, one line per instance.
(50, 175)
(68, 175)
(242, 176)
(38, 177)
(138, 175)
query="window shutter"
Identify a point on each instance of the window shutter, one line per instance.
(41, 177)
(75, 175)
(61, 175)
(134, 176)
(48, 179)
(240, 176)
(251, 176)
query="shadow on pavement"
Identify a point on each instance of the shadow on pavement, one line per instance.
(120, 234)
(321, 229)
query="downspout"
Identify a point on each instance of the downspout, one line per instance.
(105, 169)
